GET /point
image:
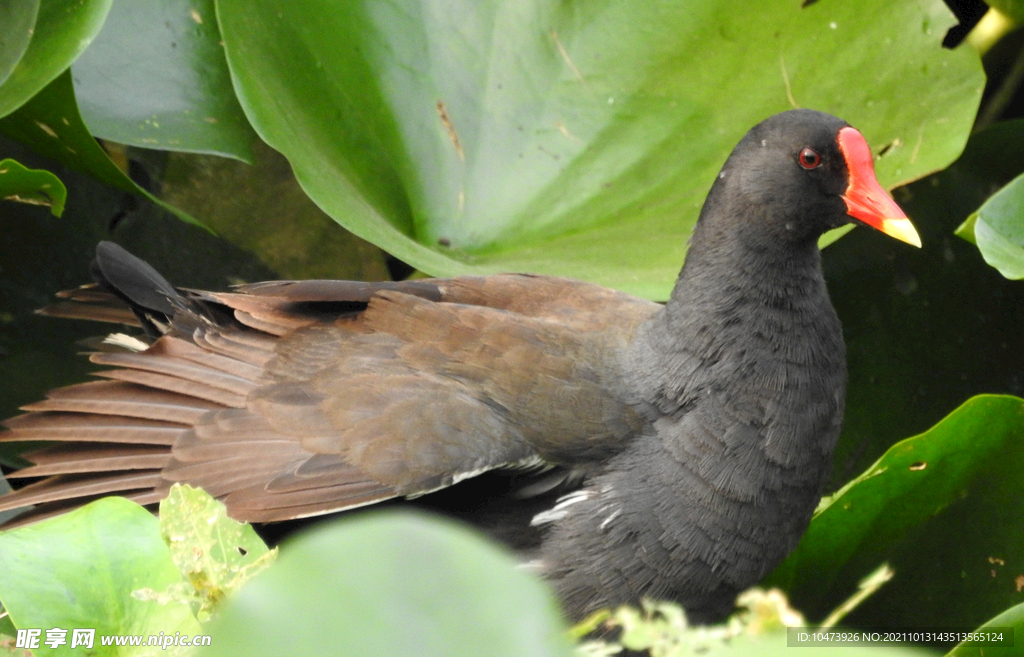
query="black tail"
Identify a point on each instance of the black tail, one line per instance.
(134, 281)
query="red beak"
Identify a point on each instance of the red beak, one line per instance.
(865, 198)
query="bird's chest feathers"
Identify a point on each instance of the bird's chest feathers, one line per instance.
(749, 381)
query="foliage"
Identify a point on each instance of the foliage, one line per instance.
(759, 627)
(997, 230)
(574, 140)
(392, 583)
(114, 568)
(18, 183)
(567, 138)
(923, 497)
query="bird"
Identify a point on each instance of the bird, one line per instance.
(688, 442)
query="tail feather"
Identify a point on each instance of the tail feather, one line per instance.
(65, 487)
(90, 427)
(86, 457)
(91, 303)
(240, 381)
(58, 507)
(134, 280)
(126, 399)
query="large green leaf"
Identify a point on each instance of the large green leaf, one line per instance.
(51, 125)
(574, 139)
(390, 584)
(156, 77)
(942, 508)
(62, 30)
(80, 570)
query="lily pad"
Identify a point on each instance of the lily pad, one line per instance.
(574, 140)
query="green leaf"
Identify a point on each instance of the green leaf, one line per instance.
(62, 30)
(993, 159)
(1012, 617)
(214, 553)
(926, 328)
(948, 493)
(156, 77)
(390, 584)
(79, 570)
(997, 228)
(51, 125)
(965, 231)
(34, 186)
(574, 139)
(17, 19)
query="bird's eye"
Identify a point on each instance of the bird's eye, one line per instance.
(809, 158)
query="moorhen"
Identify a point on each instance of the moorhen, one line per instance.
(691, 439)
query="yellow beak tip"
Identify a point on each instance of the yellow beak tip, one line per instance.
(902, 230)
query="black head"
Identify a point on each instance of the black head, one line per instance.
(798, 174)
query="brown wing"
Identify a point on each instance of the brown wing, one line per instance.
(324, 395)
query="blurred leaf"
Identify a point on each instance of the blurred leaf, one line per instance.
(1012, 617)
(997, 229)
(62, 30)
(214, 553)
(156, 77)
(17, 20)
(574, 139)
(960, 474)
(79, 571)
(391, 584)
(51, 125)
(35, 186)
